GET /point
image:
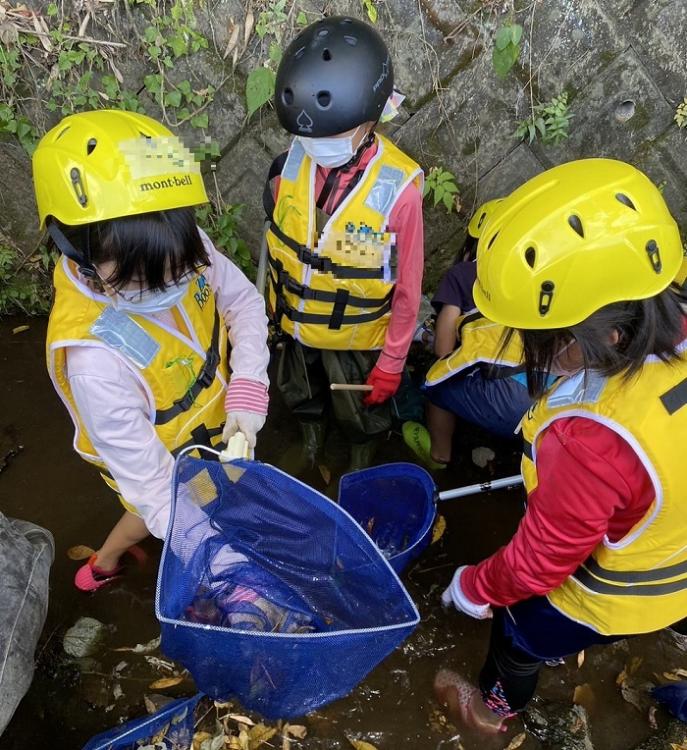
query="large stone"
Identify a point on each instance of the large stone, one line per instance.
(469, 126)
(241, 175)
(659, 32)
(618, 112)
(558, 726)
(568, 44)
(18, 217)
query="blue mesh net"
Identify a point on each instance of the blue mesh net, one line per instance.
(170, 728)
(396, 505)
(270, 592)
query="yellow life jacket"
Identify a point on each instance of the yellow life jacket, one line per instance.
(480, 342)
(183, 374)
(333, 291)
(639, 583)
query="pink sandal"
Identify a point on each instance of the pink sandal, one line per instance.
(459, 696)
(90, 577)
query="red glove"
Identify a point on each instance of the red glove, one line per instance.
(384, 386)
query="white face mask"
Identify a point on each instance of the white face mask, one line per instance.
(150, 301)
(330, 152)
(556, 367)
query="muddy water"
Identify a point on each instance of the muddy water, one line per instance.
(67, 704)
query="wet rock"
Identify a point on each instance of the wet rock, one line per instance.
(674, 734)
(155, 702)
(559, 726)
(85, 637)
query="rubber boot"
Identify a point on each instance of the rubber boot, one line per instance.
(304, 457)
(362, 455)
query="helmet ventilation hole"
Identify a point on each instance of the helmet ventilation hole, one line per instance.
(326, 55)
(90, 146)
(625, 200)
(345, 21)
(287, 97)
(492, 240)
(61, 133)
(654, 256)
(352, 40)
(324, 99)
(323, 33)
(481, 220)
(299, 53)
(530, 256)
(576, 224)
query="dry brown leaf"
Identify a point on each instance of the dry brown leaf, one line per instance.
(20, 329)
(652, 718)
(115, 70)
(285, 742)
(326, 474)
(199, 738)
(80, 552)
(239, 719)
(40, 32)
(673, 676)
(165, 682)
(233, 39)
(681, 746)
(517, 741)
(361, 744)
(243, 740)
(260, 734)
(584, 696)
(84, 25)
(439, 529)
(580, 659)
(635, 664)
(248, 27)
(296, 730)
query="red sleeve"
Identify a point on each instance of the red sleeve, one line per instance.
(591, 483)
(406, 221)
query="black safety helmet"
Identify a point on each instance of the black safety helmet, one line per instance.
(334, 76)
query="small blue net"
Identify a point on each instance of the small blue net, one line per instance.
(396, 505)
(170, 728)
(271, 593)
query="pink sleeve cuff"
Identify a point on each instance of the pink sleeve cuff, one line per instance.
(246, 395)
(388, 363)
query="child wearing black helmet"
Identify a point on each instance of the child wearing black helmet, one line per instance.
(345, 234)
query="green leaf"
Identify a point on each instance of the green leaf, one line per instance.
(371, 10)
(52, 9)
(503, 37)
(275, 53)
(302, 19)
(425, 190)
(532, 131)
(448, 202)
(451, 187)
(178, 45)
(516, 33)
(185, 88)
(259, 88)
(200, 121)
(173, 98)
(502, 61)
(540, 125)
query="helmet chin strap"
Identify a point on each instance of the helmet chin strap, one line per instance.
(367, 141)
(86, 268)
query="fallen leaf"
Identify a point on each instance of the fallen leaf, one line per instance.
(439, 529)
(233, 40)
(635, 664)
(681, 746)
(239, 719)
(326, 473)
(142, 648)
(199, 738)
(361, 744)
(84, 25)
(260, 734)
(652, 718)
(285, 742)
(117, 691)
(637, 694)
(248, 28)
(580, 659)
(80, 552)
(20, 329)
(296, 730)
(517, 741)
(584, 696)
(165, 682)
(482, 455)
(243, 740)
(675, 675)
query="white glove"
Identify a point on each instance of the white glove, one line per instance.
(247, 422)
(454, 595)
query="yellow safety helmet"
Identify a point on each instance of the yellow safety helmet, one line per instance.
(108, 164)
(572, 240)
(481, 216)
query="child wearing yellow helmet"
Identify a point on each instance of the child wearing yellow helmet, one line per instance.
(579, 262)
(144, 304)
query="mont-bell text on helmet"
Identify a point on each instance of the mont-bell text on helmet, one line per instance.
(384, 74)
(169, 182)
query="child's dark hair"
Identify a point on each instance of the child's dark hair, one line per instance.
(148, 249)
(644, 327)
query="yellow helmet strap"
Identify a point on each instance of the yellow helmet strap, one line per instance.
(83, 260)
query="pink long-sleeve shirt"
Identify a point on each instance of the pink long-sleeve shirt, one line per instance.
(114, 407)
(406, 222)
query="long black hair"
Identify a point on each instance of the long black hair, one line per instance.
(643, 327)
(150, 250)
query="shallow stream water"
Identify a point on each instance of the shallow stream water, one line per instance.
(48, 484)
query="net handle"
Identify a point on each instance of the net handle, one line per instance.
(475, 489)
